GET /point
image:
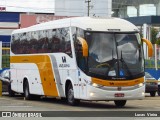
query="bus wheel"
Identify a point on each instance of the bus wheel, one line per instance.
(27, 95)
(11, 92)
(70, 96)
(153, 94)
(158, 92)
(120, 103)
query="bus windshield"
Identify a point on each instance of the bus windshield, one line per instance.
(115, 55)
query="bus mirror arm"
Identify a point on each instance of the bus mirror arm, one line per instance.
(84, 46)
(150, 47)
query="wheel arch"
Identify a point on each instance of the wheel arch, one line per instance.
(68, 82)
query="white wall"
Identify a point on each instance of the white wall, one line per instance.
(158, 8)
(37, 6)
(6, 28)
(79, 8)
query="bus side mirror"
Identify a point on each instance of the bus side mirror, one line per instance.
(84, 46)
(150, 47)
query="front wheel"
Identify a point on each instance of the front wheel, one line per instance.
(70, 96)
(120, 103)
(153, 94)
(158, 90)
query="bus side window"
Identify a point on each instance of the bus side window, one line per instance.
(78, 32)
(62, 41)
(79, 55)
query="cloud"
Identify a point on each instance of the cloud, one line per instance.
(39, 6)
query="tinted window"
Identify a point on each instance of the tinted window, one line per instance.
(43, 41)
(77, 32)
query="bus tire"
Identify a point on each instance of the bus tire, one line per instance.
(153, 94)
(27, 94)
(120, 103)
(10, 91)
(70, 96)
(158, 92)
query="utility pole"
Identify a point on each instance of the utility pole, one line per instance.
(88, 7)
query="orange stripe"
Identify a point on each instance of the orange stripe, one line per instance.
(84, 46)
(5, 48)
(151, 81)
(0, 88)
(45, 69)
(118, 82)
(150, 47)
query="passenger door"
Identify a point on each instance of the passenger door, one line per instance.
(82, 85)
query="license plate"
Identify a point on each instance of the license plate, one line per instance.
(119, 94)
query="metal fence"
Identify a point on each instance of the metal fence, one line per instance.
(5, 55)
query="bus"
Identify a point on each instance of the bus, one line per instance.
(79, 58)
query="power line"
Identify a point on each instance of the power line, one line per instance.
(88, 7)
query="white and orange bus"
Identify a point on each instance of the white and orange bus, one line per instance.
(79, 58)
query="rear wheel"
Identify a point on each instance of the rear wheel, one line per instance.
(153, 94)
(27, 94)
(120, 103)
(70, 96)
(158, 90)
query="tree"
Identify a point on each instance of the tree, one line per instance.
(154, 32)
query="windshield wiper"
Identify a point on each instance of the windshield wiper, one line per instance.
(124, 63)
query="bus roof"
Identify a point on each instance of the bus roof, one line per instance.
(86, 23)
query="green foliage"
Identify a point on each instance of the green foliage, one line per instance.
(154, 32)
(151, 63)
(141, 35)
(5, 61)
(158, 41)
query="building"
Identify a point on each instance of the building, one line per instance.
(8, 23)
(135, 8)
(97, 8)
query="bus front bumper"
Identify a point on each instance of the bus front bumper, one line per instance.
(94, 93)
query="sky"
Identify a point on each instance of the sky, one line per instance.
(48, 6)
(43, 6)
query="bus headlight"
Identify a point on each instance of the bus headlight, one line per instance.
(140, 84)
(143, 94)
(96, 85)
(91, 94)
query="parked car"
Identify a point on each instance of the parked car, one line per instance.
(158, 87)
(151, 84)
(4, 77)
